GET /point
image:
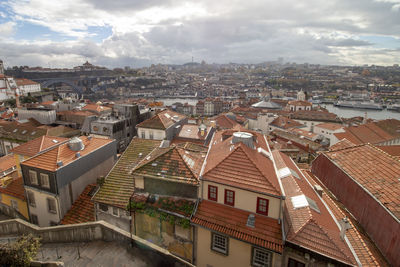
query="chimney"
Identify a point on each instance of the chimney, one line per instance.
(344, 226)
(318, 189)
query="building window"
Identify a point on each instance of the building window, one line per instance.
(262, 206)
(14, 204)
(151, 135)
(143, 135)
(229, 197)
(31, 199)
(115, 211)
(219, 243)
(103, 207)
(34, 219)
(261, 258)
(51, 205)
(33, 177)
(44, 180)
(295, 263)
(212, 192)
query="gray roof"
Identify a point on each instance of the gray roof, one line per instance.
(267, 105)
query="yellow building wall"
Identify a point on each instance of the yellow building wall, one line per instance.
(245, 200)
(18, 160)
(239, 253)
(22, 205)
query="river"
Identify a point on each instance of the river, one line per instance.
(341, 112)
(352, 112)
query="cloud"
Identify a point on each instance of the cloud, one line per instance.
(172, 31)
(7, 29)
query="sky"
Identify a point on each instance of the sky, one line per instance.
(138, 33)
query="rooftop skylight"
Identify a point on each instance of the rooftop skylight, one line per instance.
(302, 201)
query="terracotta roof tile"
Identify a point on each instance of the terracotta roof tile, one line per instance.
(162, 120)
(48, 160)
(232, 222)
(7, 163)
(224, 122)
(119, 183)
(305, 226)
(372, 132)
(285, 123)
(240, 166)
(330, 126)
(344, 143)
(15, 188)
(37, 145)
(83, 208)
(364, 247)
(376, 171)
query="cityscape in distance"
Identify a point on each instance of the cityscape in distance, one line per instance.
(186, 133)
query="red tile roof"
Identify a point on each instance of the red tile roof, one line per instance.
(366, 133)
(240, 166)
(330, 126)
(15, 188)
(23, 81)
(285, 123)
(224, 122)
(48, 160)
(231, 221)
(391, 150)
(364, 247)
(7, 162)
(37, 145)
(344, 143)
(376, 171)
(83, 208)
(162, 120)
(306, 227)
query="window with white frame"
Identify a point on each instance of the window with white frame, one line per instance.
(143, 135)
(261, 258)
(51, 205)
(33, 177)
(219, 243)
(151, 135)
(44, 180)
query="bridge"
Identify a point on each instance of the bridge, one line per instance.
(77, 89)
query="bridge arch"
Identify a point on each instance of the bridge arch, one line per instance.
(76, 88)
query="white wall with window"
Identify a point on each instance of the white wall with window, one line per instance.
(44, 205)
(146, 133)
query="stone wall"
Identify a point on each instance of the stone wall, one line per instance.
(86, 232)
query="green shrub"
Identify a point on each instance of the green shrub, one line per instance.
(19, 253)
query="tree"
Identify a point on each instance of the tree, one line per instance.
(19, 253)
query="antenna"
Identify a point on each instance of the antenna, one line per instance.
(192, 59)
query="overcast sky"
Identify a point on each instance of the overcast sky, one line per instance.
(117, 33)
